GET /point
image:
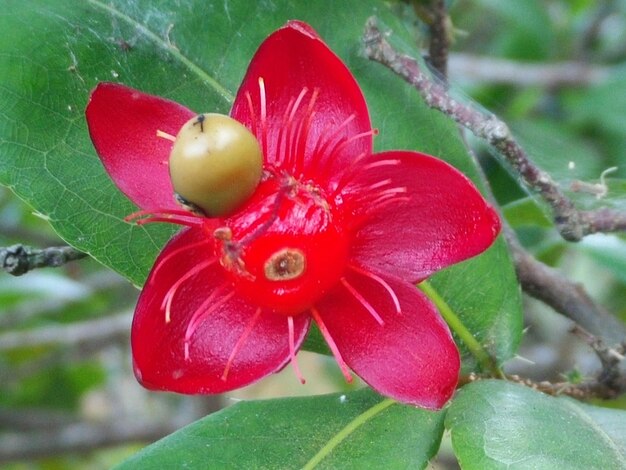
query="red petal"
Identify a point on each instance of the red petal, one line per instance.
(410, 358)
(440, 220)
(123, 123)
(159, 347)
(289, 60)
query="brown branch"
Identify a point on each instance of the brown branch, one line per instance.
(523, 74)
(609, 382)
(572, 223)
(439, 37)
(570, 299)
(81, 437)
(19, 259)
(104, 329)
(97, 282)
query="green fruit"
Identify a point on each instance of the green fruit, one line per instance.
(215, 164)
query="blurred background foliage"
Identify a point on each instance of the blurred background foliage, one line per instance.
(554, 70)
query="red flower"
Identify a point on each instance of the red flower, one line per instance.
(333, 233)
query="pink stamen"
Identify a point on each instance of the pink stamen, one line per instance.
(370, 199)
(291, 138)
(141, 213)
(381, 204)
(369, 166)
(263, 100)
(252, 113)
(353, 138)
(281, 146)
(172, 216)
(340, 145)
(169, 296)
(383, 198)
(356, 294)
(380, 184)
(292, 351)
(174, 253)
(165, 135)
(202, 312)
(371, 208)
(242, 339)
(322, 144)
(382, 282)
(303, 133)
(331, 344)
(167, 220)
(348, 173)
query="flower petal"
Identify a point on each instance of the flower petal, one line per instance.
(260, 342)
(123, 124)
(411, 357)
(435, 218)
(290, 60)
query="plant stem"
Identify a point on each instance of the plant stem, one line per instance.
(486, 362)
(346, 431)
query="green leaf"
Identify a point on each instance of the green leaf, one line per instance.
(528, 34)
(609, 250)
(196, 52)
(558, 150)
(492, 315)
(498, 425)
(352, 430)
(526, 212)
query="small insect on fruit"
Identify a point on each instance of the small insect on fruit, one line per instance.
(215, 164)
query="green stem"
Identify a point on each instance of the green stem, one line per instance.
(345, 432)
(486, 362)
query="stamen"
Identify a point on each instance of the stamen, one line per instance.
(291, 139)
(383, 198)
(380, 184)
(174, 253)
(378, 163)
(353, 138)
(331, 344)
(169, 296)
(379, 205)
(263, 100)
(292, 351)
(172, 216)
(240, 342)
(382, 282)
(341, 144)
(348, 173)
(372, 207)
(167, 220)
(321, 146)
(281, 146)
(141, 213)
(252, 113)
(303, 133)
(356, 165)
(202, 312)
(165, 135)
(371, 310)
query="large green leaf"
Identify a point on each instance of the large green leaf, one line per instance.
(498, 425)
(195, 52)
(353, 430)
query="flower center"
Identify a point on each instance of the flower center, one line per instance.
(286, 248)
(288, 263)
